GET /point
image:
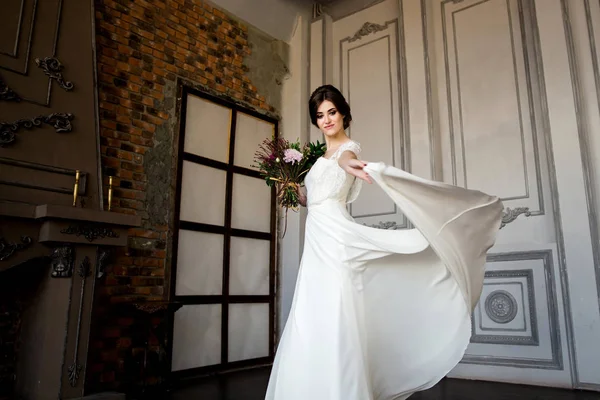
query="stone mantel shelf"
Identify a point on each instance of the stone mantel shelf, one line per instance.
(55, 225)
(53, 211)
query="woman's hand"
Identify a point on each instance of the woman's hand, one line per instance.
(301, 196)
(354, 166)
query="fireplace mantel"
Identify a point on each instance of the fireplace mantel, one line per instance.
(35, 228)
(51, 257)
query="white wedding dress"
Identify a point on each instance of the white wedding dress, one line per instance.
(380, 314)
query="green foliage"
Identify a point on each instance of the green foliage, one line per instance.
(285, 165)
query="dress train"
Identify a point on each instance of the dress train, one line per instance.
(380, 314)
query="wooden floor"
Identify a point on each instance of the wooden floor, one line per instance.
(252, 384)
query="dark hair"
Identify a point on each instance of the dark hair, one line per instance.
(331, 93)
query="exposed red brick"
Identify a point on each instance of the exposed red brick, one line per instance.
(143, 46)
(124, 343)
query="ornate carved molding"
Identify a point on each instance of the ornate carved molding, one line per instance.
(103, 259)
(75, 367)
(7, 249)
(53, 68)
(509, 215)
(501, 306)
(317, 10)
(84, 268)
(62, 262)
(390, 225)
(74, 371)
(59, 121)
(367, 29)
(7, 94)
(90, 232)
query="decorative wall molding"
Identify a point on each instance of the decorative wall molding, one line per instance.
(74, 371)
(53, 68)
(62, 262)
(555, 360)
(7, 94)
(84, 268)
(61, 122)
(103, 259)
(508, 216)
(90, 232)
(507, 335)
(401, 155)
(36, 184)
(536, 44)
(75, 367)
(523, 83)
(7, 249)
(428, 92)
(317, 10)
(367, 29)
(584, 136)
(511, 214)
(501, 306)
(390, 225)
(25, 30)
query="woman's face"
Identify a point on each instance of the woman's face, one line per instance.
(329, 120)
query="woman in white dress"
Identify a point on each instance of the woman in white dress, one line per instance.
(379, 314)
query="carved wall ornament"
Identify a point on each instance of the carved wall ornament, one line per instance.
(317, 10)
(509, 215)
(85, 268)
(61, 122)
(74, 371)
(53, 68)
(75, 368)
(501, 306)
(367, 29)
(104, 256)
(390, 225)
(7, 249)
(90, 232)
(7, 94)
(62, 262)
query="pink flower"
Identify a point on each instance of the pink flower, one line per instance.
(292, 156)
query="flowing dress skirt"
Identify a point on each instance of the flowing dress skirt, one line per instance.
(380, 314)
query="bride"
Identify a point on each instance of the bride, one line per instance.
(379, 314)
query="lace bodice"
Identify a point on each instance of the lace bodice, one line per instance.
(327, 180)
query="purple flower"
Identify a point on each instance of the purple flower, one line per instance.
(292, 156)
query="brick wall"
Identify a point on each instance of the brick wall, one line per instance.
(143, 48)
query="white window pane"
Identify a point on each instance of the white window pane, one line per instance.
(202, 194)
(248, 331)
(251, 208)
(249, 266)
(197, 336)
(249, 133)
(199, 263)
(207, 129)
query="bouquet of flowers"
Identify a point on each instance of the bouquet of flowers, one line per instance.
(284, 165)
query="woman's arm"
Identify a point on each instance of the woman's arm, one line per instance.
(353, 166)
